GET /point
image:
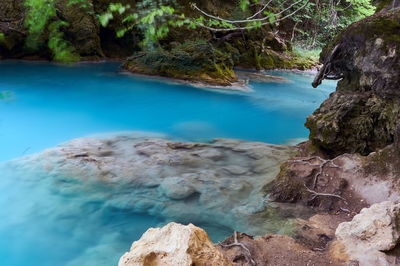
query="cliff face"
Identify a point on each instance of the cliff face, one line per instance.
(362, 115)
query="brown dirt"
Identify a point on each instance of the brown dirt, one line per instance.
(277, 250)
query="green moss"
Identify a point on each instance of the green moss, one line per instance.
(385, 26)
(194, 61)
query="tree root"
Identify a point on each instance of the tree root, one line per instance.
(236, 243)
(325, 163)
(316, 194)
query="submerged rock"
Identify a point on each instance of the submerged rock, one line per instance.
(218, 183)
(362, 115)
(174, 244)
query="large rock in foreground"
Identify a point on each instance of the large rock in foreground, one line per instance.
(362, 115)
(372, 232)
(377, 227)
(174, 244)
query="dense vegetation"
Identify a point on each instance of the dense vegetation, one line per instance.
(307, 23)
(312, 23)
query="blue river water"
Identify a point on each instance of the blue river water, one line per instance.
(42, 105)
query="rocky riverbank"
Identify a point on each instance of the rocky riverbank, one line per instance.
(231, 184)
(342, 185)
(348, 170)
(365, 240)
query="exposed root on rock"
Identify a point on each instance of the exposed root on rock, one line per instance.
(316, 194)
(320, 166)
(318, 182)
(236, 243)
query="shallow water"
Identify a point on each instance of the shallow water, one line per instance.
(42, 223)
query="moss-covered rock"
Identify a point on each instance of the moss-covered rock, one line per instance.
(363, 114)
(192, 61)
(12, 27)
(82, 30)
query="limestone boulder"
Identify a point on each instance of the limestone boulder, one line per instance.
(174, 244)
(372, 236)
(377, 227)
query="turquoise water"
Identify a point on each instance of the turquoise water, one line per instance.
(46, 104)
(52, 104)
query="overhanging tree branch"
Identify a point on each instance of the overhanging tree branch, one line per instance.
(252, 19)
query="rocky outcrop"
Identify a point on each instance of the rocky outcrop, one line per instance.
(371, 233)
(174, 244)
(346, 183)
(173, 180)
(376, 227)
(362, 115)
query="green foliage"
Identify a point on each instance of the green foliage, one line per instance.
(39, 12)
(2, 37)
(62, 50)
(41, 18)
(321, 20)
(153, 17)
(244, 4)
(312, 54)
(313, 25)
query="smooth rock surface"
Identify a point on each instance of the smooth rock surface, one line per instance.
(174, 244)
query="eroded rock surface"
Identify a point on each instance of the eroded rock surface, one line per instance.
(372, 232)
(346, 183)
(376, 227)
(216, 183)
(174, 244)
(362, 115)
